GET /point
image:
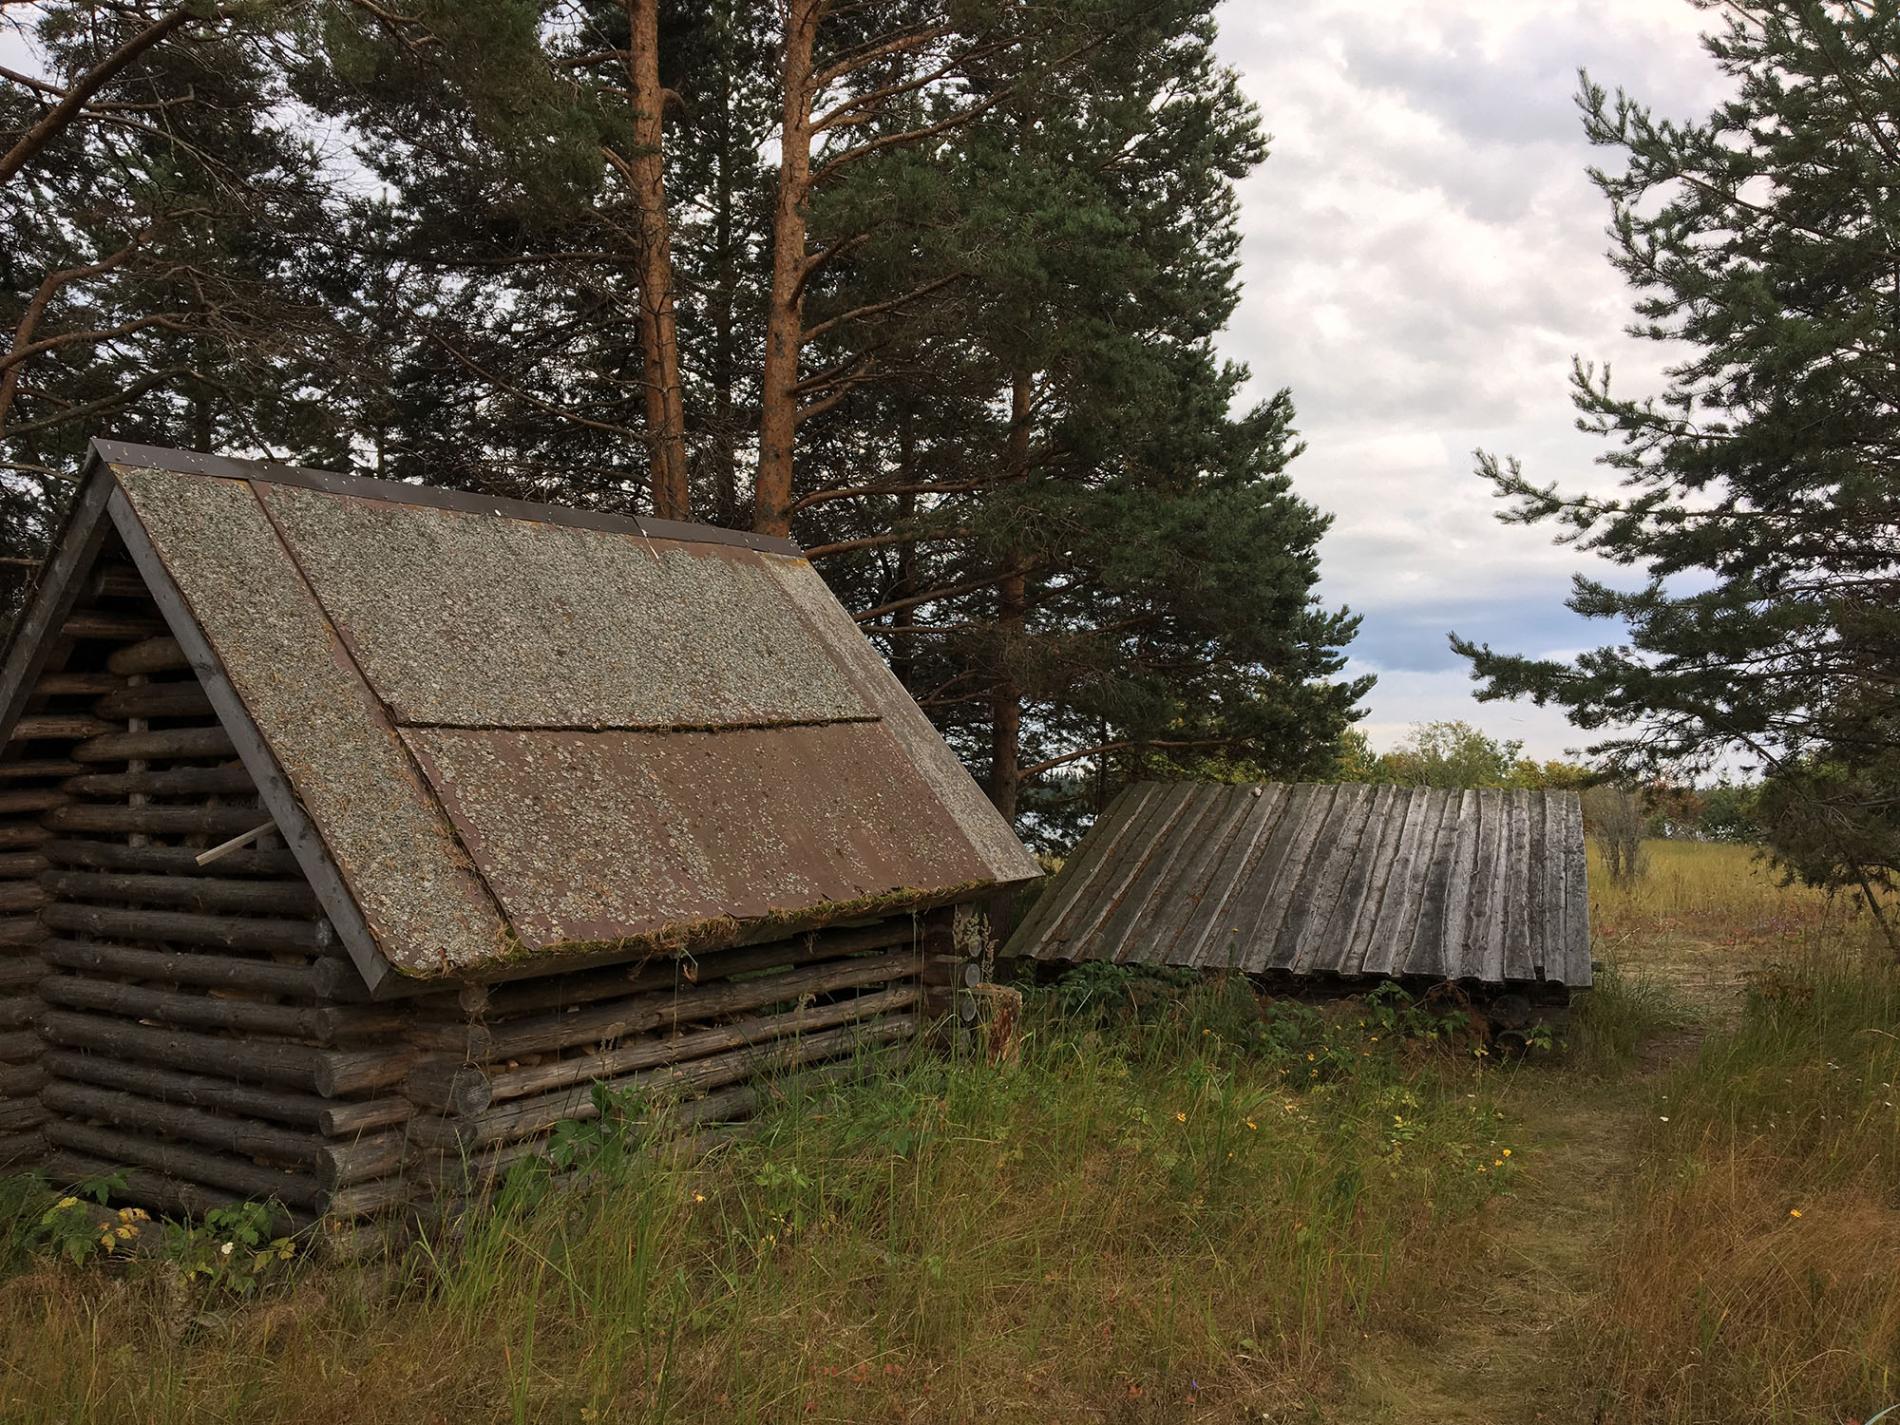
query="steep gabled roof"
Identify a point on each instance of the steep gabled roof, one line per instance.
(499, 734)
(1325, 880)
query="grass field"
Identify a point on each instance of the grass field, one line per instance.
(1177, 1207)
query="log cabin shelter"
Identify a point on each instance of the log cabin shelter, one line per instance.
(1340, 885)
(534, 797)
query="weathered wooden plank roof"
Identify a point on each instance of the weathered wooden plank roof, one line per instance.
(1325, 880)
(520, 732)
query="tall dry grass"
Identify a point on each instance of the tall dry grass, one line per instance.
(1750, 1275)
(1183, 1205)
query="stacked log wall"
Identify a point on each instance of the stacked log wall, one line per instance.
(199, 1031)
(702, 1038)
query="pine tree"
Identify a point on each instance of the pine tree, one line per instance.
(154, 210)
(1763, 482)
(1080, 556)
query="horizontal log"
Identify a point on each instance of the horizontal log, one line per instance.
(330, 1117)
(192, 967)
(18, 896)
(23, 833)
(333, 1073)
(24, 800)
(231, 932)
(162, 1193)
(100, 623)
(243, 1136)
(21, 1080)
(21, 968)
(181, 699)
(119, 581)
(22, 930)
(334, 1164)
(165, 860)
(507, 1084)
(366, 1199)
(153, 820)
(19, 1011)
(19, 1045)
(35, 726)
(640, 1013)
(163, 782)
(527, 1117)
(203, 893)
(664, 971)
(28, 768)
(324, 1025)
(21, 865)
(19, 1114)
(23, 1150)
(77, 684)
(118, 1147)
(349, 1118)
(154, 655)
(168, 743)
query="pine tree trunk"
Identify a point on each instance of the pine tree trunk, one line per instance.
(1006, 701)
(904, 649)
(659, 336)
(784, 317)
(725, 442)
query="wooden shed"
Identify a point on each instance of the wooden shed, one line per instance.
(524, 799)
(1341, 883)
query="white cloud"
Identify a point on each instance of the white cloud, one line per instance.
(1423, 256)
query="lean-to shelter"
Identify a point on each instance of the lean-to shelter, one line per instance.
(1343, 883)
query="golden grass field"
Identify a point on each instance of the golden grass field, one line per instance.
(1178, 1207)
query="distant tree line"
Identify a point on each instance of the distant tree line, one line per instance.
(932, 287)
(1453, 754)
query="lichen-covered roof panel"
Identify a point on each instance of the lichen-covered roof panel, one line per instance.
(597, 837)
(469, 620)
(914, 740)
(417, 890)
(1324, 880)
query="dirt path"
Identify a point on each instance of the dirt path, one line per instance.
(1485, 1359)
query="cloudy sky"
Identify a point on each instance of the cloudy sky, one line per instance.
(1423, 256)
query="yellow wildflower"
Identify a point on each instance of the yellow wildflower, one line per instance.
(1507, 1152)
(1794, 1212)
(1252, 1127)
(1180, 1118)
(699, 1197)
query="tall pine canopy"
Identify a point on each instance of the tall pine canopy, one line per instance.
(1762, 484)
(932, 287)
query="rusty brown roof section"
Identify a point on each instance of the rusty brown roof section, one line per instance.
(1352, 881)
(530, 732)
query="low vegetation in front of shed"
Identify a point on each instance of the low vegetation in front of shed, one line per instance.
(1160, 1203)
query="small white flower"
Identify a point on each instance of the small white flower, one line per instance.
(227, 1248)
(1665, 1118)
